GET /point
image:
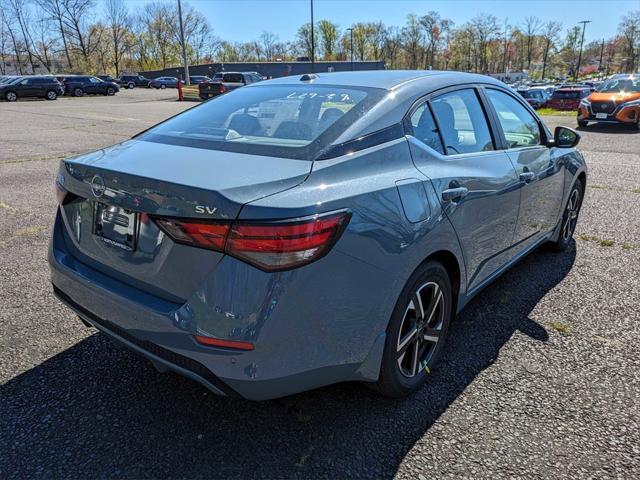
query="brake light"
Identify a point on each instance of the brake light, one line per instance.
(279, 246)
(222, 89)
(197, 234)
(270, 246)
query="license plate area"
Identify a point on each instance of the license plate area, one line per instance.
(601, 116)
(116, 226)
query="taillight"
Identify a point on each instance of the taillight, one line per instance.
(280, 246)
(197, 234)
(270, 246)
(218, 342)
(222, 89)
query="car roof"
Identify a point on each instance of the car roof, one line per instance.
(388, 79)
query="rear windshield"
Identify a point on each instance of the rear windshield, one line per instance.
(620, 85)
(291, 121)
(559, 95)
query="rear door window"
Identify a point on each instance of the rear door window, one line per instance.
(424, 128)
(520, 128)
(462, 121)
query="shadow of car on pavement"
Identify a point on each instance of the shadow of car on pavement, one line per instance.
(96, 411)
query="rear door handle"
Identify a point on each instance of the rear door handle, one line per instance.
(527, 176)
(452, 194)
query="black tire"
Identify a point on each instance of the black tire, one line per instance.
(111, 91)
(583, 123)
(51, 95)
(163, 86)
(130, 85)
(78, 92)
(11, 96)
(569, 217)
(402, 371)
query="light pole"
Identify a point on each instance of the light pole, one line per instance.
(351, 50)
(584, 25)
(313, 43)
(184, 47)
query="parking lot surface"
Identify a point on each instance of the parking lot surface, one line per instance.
(541, 376)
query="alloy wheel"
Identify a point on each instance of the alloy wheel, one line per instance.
(11, 97)
(51, 95)
(420, 330)
(573, 206)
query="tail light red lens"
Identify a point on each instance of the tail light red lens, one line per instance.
(222, 89)
(204, 235)
(270, 246)
(280, 246)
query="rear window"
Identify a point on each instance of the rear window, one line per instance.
(291, 121)
(233, 77)
(567, 94)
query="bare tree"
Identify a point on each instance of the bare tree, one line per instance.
(75, 18)
(549, 34)
(485, 28)
(629, 29)
(531, 27)
(268, 41)
(55, 11)
(118, 25)
(412, 40)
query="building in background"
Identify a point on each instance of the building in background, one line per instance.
(266, 69)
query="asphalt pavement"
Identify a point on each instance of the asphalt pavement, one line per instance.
(540, 378)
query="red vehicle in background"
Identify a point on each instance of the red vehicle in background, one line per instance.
(568, 98)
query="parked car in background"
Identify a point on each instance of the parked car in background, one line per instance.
(78, 85)
(223, 82)
(164, 82)
(616, 101)
(107, 78)
(568, 98)
(198, 79)
(312, 229)
(535, 96)
(133, 81)
(31, 86)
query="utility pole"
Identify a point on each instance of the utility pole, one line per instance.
(584, 25)
(313, 43)
(601, 53)
(351, 50)
(184, 47)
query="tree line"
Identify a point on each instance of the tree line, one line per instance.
(105, 36)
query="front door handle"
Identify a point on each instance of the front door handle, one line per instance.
(526, 177)
(453, 194)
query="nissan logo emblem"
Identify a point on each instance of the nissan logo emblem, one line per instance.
(97, 186)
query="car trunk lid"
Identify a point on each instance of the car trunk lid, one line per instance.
(116, 192)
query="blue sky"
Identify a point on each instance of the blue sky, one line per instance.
(242, 20)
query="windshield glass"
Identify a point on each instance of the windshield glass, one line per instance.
(292, 121)
(620, 85)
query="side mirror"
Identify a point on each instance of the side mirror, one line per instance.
(565, 137)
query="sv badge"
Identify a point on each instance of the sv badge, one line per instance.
(205, 209)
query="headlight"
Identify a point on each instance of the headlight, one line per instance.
(585, 103)
(633, 103)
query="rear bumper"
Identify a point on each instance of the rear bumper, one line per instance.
(301, 344)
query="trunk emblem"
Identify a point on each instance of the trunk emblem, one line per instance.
(97, 186)
(206, 209)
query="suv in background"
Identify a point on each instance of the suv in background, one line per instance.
(223, 82)
(568, 98)
(78, 85)
(33, 86)
(107, 78)
(132, 81)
